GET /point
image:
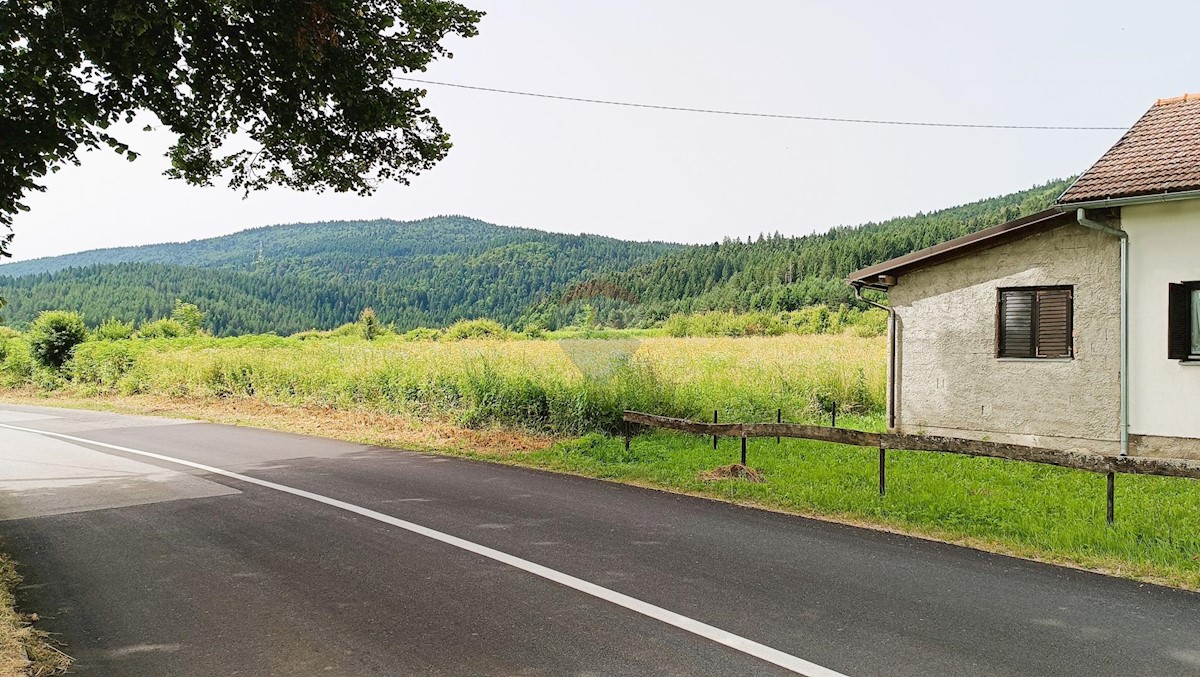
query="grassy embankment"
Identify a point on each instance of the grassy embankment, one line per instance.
(564, 398)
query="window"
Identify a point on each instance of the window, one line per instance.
(1035, 322)
(1183, 322)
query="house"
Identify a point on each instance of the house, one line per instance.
(1074, 328)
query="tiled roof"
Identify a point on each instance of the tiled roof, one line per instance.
(1160, 154)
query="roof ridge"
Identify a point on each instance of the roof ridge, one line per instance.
(1177, 99)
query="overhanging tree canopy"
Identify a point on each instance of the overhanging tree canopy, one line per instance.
(309, 83)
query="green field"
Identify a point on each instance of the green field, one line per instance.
(573, 389)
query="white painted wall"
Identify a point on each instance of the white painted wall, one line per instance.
(1164, 247)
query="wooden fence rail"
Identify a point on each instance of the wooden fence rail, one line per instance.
(1078, 460)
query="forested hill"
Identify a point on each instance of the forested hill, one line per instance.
(289, 278)
(778, 273)
(436, 271)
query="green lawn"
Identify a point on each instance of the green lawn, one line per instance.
(1025, 509)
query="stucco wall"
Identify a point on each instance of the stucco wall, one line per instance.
(1164, 247)
(949, 380)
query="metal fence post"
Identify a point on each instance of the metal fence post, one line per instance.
(833, 411)
(714, 434)
(743, 451)
(882, 470)
(778, 419)
(627, 435)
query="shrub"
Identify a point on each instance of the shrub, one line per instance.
(348, 329)
(481, 328)
(7, 334)
(103, 363)
(162, 329)
(54, 334)
(870, 324)
(18, 362)
(422, 334)
(113, 330)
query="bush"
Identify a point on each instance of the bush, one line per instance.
(54, 334)
(482, 328)
(348, 329)
(113, 330)
(7, 334)
(310, 334)
(162, 329)
(17, 367)
(422, 334)
(103, 363)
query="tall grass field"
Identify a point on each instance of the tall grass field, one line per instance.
(565, 387)
(574, 388)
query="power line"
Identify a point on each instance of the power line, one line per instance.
(780, 116)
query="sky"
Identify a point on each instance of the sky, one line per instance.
(691, 177)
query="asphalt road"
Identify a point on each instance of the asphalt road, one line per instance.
(292, 555)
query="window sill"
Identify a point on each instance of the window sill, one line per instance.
(1191, 362)
(1035, 359)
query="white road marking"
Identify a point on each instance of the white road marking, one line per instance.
(736, 642)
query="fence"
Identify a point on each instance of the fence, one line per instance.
(1077, 460)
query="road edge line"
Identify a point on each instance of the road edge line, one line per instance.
(699, 628)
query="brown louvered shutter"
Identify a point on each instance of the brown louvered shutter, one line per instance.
(1179, 322)
(1016, 323)
(1054, 323)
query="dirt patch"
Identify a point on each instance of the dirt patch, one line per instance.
(737, 471)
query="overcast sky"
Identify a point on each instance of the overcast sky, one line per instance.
(689, 177)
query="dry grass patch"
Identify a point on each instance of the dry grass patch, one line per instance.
(364, 427)
(737, 471)
(24, 651)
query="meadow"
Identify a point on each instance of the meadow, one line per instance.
(571, 388)
(560, 386)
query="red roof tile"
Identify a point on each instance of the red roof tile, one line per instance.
(1159, 154)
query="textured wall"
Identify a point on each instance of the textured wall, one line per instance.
(950, 381)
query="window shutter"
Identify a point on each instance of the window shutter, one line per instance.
(1054, 323)
(1179, 322)
(1016, 324)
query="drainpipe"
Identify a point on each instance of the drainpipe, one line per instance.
(891, 365)
(1081, 216)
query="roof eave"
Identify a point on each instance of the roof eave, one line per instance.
(1131, 200)
(995, 236)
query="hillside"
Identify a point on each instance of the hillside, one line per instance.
(435, 271)
(289, 278)
(777, 273)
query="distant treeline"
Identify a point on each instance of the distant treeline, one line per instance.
(776, 273)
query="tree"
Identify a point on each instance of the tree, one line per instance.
(262, 92)
(368, 323)
(188, 315)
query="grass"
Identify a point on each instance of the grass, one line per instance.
(24, 651)
(555, 404)
(1025, 509)
(571, 387)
